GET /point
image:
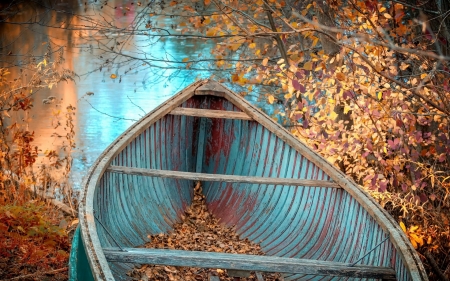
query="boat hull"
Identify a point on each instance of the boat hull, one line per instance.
(79, 268)
(316, 221)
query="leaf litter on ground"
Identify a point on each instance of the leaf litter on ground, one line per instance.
(198, 231)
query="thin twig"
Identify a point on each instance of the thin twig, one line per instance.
(104, 113)
(136, 105)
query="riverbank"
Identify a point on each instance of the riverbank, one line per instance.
(35, 240)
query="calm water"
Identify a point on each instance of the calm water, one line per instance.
(128, 98)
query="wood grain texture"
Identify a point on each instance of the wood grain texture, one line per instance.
(246, 263)
(210, 113)
(218, 177)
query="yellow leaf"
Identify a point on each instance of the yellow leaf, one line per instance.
(333, 115)
(252, 45)
(271, 99)
(423, 75)
(413, 228)
(402, 225)
(388, 16)
(315, 42)
(185, 59)
(346, 109)
(113, 76)
(379, 95)
(211, 32)
(331, 159)
(307, 66)
(265, 61)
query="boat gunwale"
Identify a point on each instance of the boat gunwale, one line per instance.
(91, 241)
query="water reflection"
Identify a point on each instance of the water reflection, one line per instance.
(115, 103)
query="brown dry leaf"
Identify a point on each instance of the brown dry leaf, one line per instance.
(198, 231)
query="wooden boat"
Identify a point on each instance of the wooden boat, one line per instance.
(312, 222)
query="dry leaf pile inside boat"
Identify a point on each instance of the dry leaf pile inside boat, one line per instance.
(198, 231)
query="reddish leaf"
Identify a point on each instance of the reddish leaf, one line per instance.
(298, 86)
(383, 186)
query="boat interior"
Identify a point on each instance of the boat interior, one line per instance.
(253, 179)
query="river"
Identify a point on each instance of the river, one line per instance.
(105, 107)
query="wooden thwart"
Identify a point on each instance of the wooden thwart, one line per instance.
(210, 113)
(218, 177)
(246, 262)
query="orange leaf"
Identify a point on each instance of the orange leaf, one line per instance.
(340, 76)
(416, 239)
(185, 59)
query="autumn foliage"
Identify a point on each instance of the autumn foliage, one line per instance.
(30, 241)
(364, 83)
(33, 234)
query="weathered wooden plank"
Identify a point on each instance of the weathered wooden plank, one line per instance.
(213, 89)
(218, 177)
(223, 114)
(246, 263)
